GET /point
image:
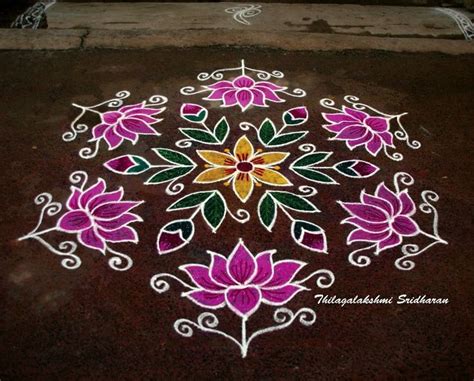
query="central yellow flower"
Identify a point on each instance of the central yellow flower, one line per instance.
(244, 168)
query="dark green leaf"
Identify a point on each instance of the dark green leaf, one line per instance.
(311, 159)
(345, 168)
(214, 211)
(267, 211)
(168, 175)
(196, 118)
(294, 201)
(221, 129)
(190, 201)
(172, 156)
(199, 135)
(313, 175)
(284, 139)
(267, 131)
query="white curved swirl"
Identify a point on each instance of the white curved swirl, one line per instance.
(119, 261)
(395, 156)
(156, 100)
(190, 90)
(284, 317)
(174, 188)
(117, 101)
(359, 260)
(65, 249)
(242, 216)
(184, 143)
(325, 278)
(307, 148)
(296, 93)
(307, 191)
(329, 103)
(246, 126)
(402, 178)
(160, 285)
(243, 12)
(79, 178)
(88, 152)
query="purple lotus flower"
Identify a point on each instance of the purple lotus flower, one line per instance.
(193, 112)
(359, 128)
(99, 217)
(383, 218)
(128, 123)
(245, 92)
(243, 282)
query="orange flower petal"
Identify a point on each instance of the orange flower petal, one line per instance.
(217, 158)
(270, 158)
(213, 175)
(243, 186)
(270, 177)
(243, 149)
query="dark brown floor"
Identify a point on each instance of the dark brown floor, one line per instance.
(97, 324)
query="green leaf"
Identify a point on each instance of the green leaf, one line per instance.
(221, 130)
(214, 211)
(190, 201)
(141, 165)
(313, 175)
(267, 211)
(311, 159)
(266, 131)
(199, 135)
(284, 139)
(172, 156)
(294, 201)
(168, 175)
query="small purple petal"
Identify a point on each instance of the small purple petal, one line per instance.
(359, 115)
(230, 98)
(338, 127)
(207, 299)
(89, 238)
(283, 273)
(339, 117)
(269, 85)
(375, 145)
(387, 138)
(366, 212)
(386, 194)
(270, 94)
(92, 191)
(126, 134)
(369, 226)
(169, 241)
(364, 168)
(111, 117)
(241, 264)
(136, 106)
(245, 98)
(218, 94)
(299, 112)
(359, 235)
(391, 241)
(280, 295)
(377, 202)
(408, 206)
(405, 226)
(258, 97)
(221, 85)
(243, 301)
(218, 270)
(113, 140)
(376, 123)
(99, 130)
(191, 109)
(73, 200)
(137, 126)
(74, 221)
(264, 268)
(105, 198)
(243, 82)
(315, 241)
(113, 209)
(123, 234)
(358, 142)
(352, 133)
(118, 222)
(199, 274)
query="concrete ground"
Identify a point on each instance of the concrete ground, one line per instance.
(97, 324)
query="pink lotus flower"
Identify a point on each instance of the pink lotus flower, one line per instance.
(99, 217)
(245, 92)
(128, 123)
(383, 218)
(243, 282)
(359, 128)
